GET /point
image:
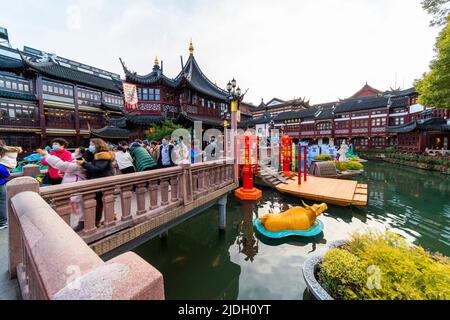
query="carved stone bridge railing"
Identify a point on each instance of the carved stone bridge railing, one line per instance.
(137, 203)
(51, 261)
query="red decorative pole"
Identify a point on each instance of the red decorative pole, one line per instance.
(305, 162)
(248, 191)
(299, 165)
(286, 142)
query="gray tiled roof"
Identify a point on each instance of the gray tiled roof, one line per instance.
(56, 70)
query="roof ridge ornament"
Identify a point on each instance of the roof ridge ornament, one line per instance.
(156, 63)
(191, 48)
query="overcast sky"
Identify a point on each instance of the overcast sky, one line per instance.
(319, 49)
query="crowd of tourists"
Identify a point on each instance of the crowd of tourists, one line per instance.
(98, 160)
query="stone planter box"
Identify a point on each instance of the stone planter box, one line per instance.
(310, 268)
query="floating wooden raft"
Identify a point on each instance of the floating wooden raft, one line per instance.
(333, 191)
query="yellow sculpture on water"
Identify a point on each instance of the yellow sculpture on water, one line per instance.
(296, 218)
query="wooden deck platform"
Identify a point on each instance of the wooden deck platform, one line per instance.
(332, 191)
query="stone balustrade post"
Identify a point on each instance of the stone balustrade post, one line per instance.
(125, 201)
(195, 183)
(15, 247)
(89, 204)
(174, 188)
(153, 191)
(201, 181)
(63, 208)
(164, 192)
(31, 170)
(186, 183)
(140, 199)
(108, 207)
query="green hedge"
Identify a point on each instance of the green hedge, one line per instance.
(350, 165)
(384, 266)
(323, 157)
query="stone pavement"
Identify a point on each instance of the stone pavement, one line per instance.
(9, 289)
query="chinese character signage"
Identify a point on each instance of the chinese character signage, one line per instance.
(130, 94)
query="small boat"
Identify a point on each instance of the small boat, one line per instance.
(316, 229)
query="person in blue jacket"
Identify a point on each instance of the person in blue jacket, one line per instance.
(8, 162)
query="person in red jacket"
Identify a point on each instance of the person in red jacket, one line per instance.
(59, 146)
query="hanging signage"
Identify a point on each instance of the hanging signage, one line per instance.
(130, 95)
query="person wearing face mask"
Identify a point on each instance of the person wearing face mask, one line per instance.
(59, 146)
(100, 167)
(72, 173)
(165, 151)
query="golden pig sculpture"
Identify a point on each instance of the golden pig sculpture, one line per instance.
(296, 218)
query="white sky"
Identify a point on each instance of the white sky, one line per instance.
(319, 49)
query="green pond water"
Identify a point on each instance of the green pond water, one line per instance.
(199, 262)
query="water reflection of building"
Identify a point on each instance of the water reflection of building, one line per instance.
(246, 238)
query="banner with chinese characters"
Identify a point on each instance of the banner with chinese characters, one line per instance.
(130, 95)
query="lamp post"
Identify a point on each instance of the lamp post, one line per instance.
(235, 97)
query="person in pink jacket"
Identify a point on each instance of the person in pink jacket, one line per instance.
(59, 146)
(72, 173)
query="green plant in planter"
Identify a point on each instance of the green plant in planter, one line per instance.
(350, 165)
(405, 271)
(354, 165)
(323, 157)
(343, 275)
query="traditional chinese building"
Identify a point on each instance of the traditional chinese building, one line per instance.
(188, 97)
(368, 119)
(43, 96)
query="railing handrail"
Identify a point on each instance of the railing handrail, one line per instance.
(87, 186)
(53, 262)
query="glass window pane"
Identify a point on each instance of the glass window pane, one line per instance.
(2, 83)
(8, 84)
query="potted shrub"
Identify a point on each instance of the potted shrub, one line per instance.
(378, 266)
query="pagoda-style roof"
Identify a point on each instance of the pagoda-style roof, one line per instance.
(432, 124)
(366, 91)
(154, 77)
(111, 107)
(325, 113)
(265, 118)
(111, 132)
(190, 75)
(194, 77)
(278, 103)
(399, 93)
(137, 119)
(399, 102)
(205, 120)
(54, 69)
(10, 64)
(363, 103)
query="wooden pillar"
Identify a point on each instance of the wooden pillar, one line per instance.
(77, 115)
(40, 97)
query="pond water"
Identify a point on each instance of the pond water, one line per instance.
(199, 262)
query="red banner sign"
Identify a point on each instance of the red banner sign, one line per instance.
(130, 94)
